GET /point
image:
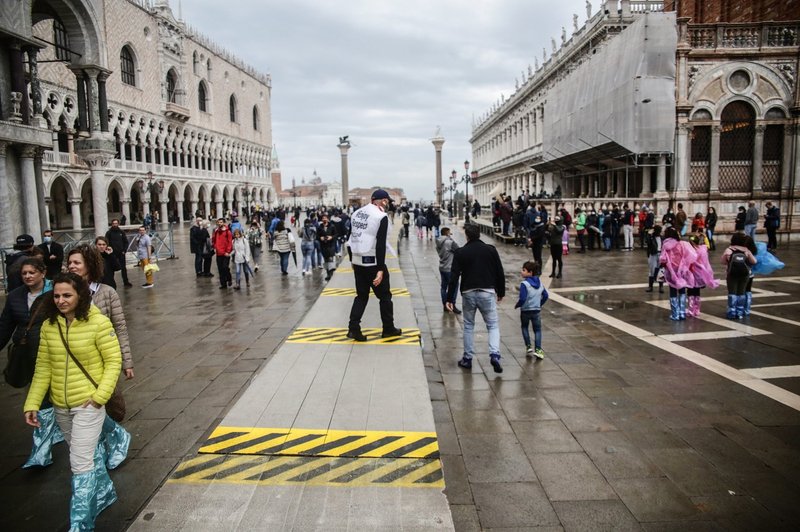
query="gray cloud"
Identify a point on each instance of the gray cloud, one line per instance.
(385, 72)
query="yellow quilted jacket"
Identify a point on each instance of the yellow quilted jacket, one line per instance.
(95, 344)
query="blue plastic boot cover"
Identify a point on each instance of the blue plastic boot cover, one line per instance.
(741, 302)
(748, 301)
(105, 493)
(682, 306)
(673, 307)
(83, 506)
(45, 436)
(732, 298)
(116, 441)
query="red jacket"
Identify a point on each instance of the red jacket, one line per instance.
(222, 240)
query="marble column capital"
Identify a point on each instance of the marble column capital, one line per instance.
(3, 146)
(28, 152)
(75, 201)
(97, 160)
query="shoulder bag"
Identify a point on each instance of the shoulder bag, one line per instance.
(21, 361)
(115, 407)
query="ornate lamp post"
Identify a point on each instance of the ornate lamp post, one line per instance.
(149, 183)
(453, 183)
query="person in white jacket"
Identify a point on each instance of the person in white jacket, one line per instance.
(241, 258)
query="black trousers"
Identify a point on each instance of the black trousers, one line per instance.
(120, 256)
(364, 275)
(772, 241)
(556, 253)
(224, 267)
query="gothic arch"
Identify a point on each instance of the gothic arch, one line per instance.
(80, 23)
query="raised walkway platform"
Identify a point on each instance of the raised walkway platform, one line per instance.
(330, 435)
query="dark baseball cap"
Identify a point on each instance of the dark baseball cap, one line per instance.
(24, 241)
(381, 194)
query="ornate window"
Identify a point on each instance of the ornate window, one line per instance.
(736, 147)
(255, 118)
(194, 62)
(127, 67)
(232, 108)
(61, 41)
(700, 154)
(773, 158)
(172, 87)
(202, 96)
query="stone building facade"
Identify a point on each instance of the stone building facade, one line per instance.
(732, 113)
(140, 113)
(315, 193)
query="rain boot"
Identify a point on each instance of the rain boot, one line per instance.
(682, 306)
(748, 301)
(105, 494)
(650, 281)
(115, 441)
(45, 436)
(690, 306)
(731, 314)
(697, 302)
(741, 302)
(673, 307)
(660, 288)
(83, 505)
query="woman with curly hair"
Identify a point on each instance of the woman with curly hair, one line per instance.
(78, 361)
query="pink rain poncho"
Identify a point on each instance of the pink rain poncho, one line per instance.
(702, 271)
(677, 256)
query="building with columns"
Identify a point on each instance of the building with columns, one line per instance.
(315, 193)
(124, 109)
(657, 103)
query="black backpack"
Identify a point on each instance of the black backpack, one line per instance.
(737, 264)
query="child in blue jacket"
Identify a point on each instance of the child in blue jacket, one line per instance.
(532, 295)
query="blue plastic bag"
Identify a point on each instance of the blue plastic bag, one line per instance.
(767, 262)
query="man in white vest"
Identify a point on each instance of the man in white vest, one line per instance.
(367, 250)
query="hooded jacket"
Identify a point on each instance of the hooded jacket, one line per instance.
(532, 295)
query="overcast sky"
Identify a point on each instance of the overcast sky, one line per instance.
(384, 72)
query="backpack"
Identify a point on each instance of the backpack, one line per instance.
(567, 219)
(737, 264)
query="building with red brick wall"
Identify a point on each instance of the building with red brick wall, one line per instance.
(713, 11)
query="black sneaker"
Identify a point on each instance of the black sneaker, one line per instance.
(357, 336)
(392, 332)
(465, 363)
(128, 285)
(456, 310)
(495, 360)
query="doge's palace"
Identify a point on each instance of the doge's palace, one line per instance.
(114, 108)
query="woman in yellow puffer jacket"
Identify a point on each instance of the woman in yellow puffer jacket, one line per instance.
(75, 326)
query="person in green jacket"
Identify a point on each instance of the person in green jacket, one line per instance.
(79, 360)
(580, 227)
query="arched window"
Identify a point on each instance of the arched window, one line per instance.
(737, 132)
(194, 62)
(127, 67)
(255, 118)
(202, 97)
(232, 108)
(61, 41)
(172, 86)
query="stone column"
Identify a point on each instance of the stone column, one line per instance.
(75, 206)
(661, 177)
(164, 214)
(646, 190)
(713, 164)
(609, 183)
(145, 204)
(126, 210)
(47, 201)
(438, 142)
(32, 224)
(207, 208)
(102, 100)
(193, 207)
(343, 147)
(93, 100)
(18, 84)
(179, 214)
(83, 121)
(36, 90)
(6, 223)
(683, 157)
(758, 157)
(41, 204)
(786, 164)
(97, 162)
(219, 209)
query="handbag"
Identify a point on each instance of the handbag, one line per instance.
(21, 362)
(115, 407)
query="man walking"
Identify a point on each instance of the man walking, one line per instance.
(369, 228)
(53, 254)
(445, 246)
(222, 242)
(118, 241)
(483, 285)
(751, 220)
(772, 221)
(197, 243)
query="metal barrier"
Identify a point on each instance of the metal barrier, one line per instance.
(163, 239)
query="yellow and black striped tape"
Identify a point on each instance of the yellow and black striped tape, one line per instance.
(308, 442)
(396, 292)
(311, 471)
(334, 335)
(350, 270)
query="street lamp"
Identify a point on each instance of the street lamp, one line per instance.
(151, 183)
(246, 194)
(453, 175)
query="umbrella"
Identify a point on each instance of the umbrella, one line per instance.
(294, 256)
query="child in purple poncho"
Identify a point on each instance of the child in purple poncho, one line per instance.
(677, 257)
(702, 272)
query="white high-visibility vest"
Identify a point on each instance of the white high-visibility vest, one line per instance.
(364, 224)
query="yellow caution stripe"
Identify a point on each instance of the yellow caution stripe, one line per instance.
(311, 471)
(338, 335)
(324, 442)
(350, 270)
(397, 292)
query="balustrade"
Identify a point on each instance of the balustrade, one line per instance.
(745, 35)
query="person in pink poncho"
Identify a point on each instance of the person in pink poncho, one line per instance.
(677, 257)
(702, 272)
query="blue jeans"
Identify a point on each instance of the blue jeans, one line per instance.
(486, 303)
(750, 230)
(534, 318)
(240, 267)
(445, 282)
(198, 263)
(284, 261)
(308, 255)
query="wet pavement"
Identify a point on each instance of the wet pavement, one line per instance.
(632, 421)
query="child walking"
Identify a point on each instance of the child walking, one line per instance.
(532, 295)
(241, 258)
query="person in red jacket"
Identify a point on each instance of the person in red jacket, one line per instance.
(222, 242)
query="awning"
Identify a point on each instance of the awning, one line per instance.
(608, 154)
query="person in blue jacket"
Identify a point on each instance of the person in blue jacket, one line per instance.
(532, 295)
